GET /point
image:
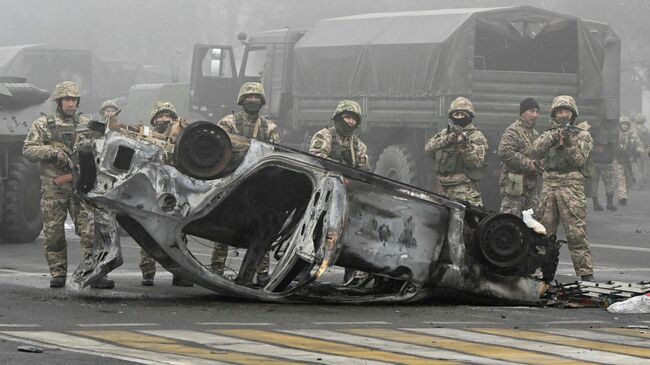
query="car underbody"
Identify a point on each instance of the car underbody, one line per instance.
(309, 213)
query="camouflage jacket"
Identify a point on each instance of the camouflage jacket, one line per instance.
(236, 123)
(42, 144)
(324, 144)
(629, 148)
(643, 134)
(472, 154)
(514, 153)
(577, 152)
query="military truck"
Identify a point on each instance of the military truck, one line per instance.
(20, 213)
(405, 69)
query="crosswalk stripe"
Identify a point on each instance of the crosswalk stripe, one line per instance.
(627, 332)
(328, 347)
(598, 336)
(240, 345)
(91, 347)
(520, 343)
(395, 346)
(165, 345)
(569, 341)
(466, 347)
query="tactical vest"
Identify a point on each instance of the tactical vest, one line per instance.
(449, 162)
(63, 136)
(342, 154)
(257, 130)
(557, 159)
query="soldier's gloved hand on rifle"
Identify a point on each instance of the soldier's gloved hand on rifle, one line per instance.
(62, 159)
(536, 167)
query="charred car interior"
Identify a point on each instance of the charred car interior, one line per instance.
(314, 216)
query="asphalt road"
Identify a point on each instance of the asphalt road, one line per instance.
(174, 325)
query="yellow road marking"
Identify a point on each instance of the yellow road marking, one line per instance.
(627, 332)
(567, 341)
(328, 347)
(467, 347)
(166, 345)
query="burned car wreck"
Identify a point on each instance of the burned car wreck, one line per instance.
(309, 213)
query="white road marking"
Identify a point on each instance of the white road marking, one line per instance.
(352, 323)
(393, 346)
(617, 247)
(18, 325)
(91, 325)
(599, 336)
(235, 324)
(558, 350)
(456, 322)
(83, 345)
(569, 322)
(226, 343)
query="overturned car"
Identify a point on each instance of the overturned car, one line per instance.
(311, 214)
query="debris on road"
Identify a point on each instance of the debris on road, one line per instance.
(31, 349)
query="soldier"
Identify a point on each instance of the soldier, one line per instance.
(339, 143)
(644, 139)
(626, 152)
(603, 157)
(519, 172)
(108, 109)
(565, 148)
(250, 124)
(50, 142)
(459, 153)
(166, 126)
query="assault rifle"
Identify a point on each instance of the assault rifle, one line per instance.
(568, 129)
(458, 129)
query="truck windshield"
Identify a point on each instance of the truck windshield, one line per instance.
(255, 62)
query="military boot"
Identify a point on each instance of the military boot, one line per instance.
(610, 203)
(588, 277)
(103, 283)
(57, 282)
(596, 203)
(147, 281)
(623, 201)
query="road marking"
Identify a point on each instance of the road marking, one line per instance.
(394, 346)
(328, 347)
(234, 324)
(352, 323)
(18, 325)
(467, 347)
(239, 345)
(570, 322)
(91, 347)
(116, 324)
(456, 322)
(628, 332)
(607, 351)
(625, 248)
(168, 346)
(596, 336)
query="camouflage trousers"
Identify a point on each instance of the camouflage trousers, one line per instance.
(566, 202)
(620, 179)
(603, 172)
(220, 255)
(56, 202)
(147, 265)
(516, 204)
(464, 191)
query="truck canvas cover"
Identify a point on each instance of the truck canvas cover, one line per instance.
(434, 53)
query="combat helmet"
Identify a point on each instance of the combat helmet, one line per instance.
(161, 107)
(251, 88)
(108, 104)
(65, 89)
(349, 106)
(639, 118)
(625, 119)
(461, 104)
(564, 102)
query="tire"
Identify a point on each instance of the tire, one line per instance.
(22, 220)
(397, 163)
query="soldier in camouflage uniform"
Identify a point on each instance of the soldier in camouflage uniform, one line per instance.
(167, 126)
(603, 157)
(565, 148)
(643, 135)
(49, 143)
(626, 152)
(518, 181)
(339, 143)
(248, 123)
(459, 154)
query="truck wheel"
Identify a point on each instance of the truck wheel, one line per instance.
(396, 162)
(22, 220)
